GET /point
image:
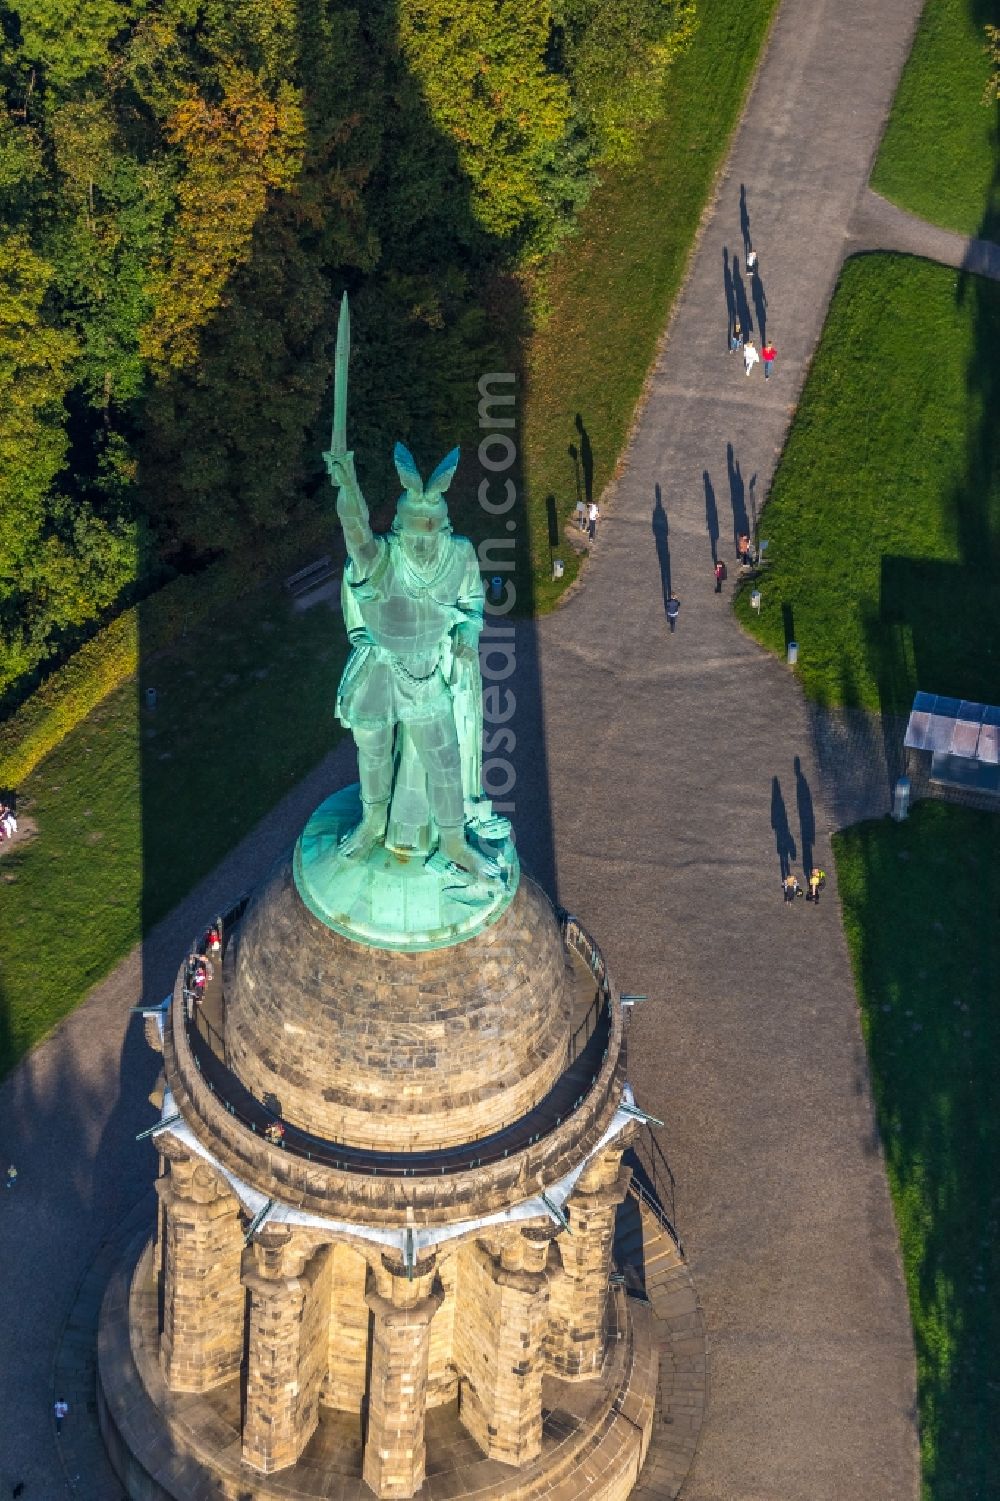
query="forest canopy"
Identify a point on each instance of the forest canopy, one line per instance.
(188, 185)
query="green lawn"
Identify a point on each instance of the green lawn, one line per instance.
(939, 153)
(884, 518)
(611, 289)
(921, 902)
(135, 806)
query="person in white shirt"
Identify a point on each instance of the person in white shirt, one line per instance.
(593, 517)
(750, 356)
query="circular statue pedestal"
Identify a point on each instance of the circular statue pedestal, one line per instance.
(391, 899)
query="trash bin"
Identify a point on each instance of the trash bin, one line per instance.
(557, 568)
(496, 589)
(901, 799)
(755, 600)
(150, 698)
(793, 653)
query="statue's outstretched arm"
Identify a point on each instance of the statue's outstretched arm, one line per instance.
(362, 546)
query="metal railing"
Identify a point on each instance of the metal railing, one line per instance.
(588, 1054)
(653, 1184)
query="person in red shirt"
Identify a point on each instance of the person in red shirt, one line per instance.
(767, 354)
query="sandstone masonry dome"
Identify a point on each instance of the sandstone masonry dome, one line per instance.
(397, 1051)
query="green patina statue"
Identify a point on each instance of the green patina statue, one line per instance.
(411, 694)
(413, 607)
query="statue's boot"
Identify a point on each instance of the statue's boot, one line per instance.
(456, 848)
(368, 833)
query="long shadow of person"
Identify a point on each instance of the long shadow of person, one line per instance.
(744, 219)
(783, 841)
(740, 300)
(660, 530)
(727, 283)
(807, 817)
(586, 459)
(711, 515)
(759, 303)
(574, 454)
(737, 494)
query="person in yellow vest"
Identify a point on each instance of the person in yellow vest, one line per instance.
(817, 880)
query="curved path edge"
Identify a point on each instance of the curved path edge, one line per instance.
(878, 224)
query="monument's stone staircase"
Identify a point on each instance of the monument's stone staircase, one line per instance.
(650, 1259)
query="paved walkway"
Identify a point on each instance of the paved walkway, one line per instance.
(672, 780)
(878, 224)
(678, 763)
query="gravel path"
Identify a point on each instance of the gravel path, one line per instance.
(658, 776)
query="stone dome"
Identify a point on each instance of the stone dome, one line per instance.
(396, 1051)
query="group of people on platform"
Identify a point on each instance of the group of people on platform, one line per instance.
(199, 969)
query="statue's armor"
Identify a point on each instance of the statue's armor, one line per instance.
(399, 625)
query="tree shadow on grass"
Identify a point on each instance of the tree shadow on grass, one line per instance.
(426, 334)
(924, 916)
(920, 902)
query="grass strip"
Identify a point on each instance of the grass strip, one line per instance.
(883, 521)
(939, 153)
(920, 903)
(137, 805)
(611, 288)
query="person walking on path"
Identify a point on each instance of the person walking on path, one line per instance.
(736, 337)
(752, 261)
(817, 880)
(60, 1408)
(790, 886)
(11, 1179)
(673, 610)
(767, 354)
(750, 356)
(593, 517)
(720, 573)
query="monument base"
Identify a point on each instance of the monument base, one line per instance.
(395, 899)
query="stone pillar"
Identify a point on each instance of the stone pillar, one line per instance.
(506, 1420)
(397, 1393)
(289, 1287)
(575, 1347)
(201, 1343)
(347, 1361)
